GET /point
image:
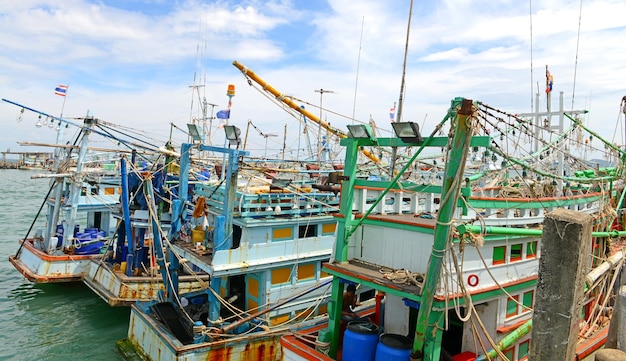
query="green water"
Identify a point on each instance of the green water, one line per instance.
(47, 322)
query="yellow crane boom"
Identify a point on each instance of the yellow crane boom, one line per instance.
(293, 105)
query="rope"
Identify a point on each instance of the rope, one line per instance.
(403, 276)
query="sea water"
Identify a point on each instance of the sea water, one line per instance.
(53, 321)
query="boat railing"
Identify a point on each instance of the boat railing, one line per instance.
(512, 210)
(267, 203)
(490, 206)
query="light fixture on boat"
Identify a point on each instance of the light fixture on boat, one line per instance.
(409, 132)
(361, 131)
(51, 123)
(39, 124)
(194, 132)
(232, 134)
(279, 184)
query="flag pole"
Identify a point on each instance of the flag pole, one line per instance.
(64, 97)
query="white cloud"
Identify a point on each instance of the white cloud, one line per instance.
(134, 65)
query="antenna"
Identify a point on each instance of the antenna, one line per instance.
(358, 63)
(319, 134)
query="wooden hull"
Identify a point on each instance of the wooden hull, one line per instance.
(155, 342)
(118, 289)
(40, 267)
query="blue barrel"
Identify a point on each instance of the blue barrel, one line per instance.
(59, 233)
(91, 230)
(393, 348)
(359, 341)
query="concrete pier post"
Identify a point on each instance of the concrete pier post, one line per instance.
(564, 262)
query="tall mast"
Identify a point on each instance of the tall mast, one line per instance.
(402, 84)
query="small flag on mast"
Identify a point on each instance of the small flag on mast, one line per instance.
(549, 80)
(223, 114)
(60, 90)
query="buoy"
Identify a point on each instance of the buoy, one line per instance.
(472, 280)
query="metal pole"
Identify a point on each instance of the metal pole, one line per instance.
(423, 345)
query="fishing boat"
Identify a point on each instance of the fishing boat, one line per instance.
(129, 272)
(61, 252)
(262, 239)
(86, 190)
(455, 263)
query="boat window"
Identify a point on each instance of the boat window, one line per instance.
(512, 306)
(527, 300)
(281, 276)
(499, 255)
(509, 353)
(306, 271)
(516, 252)
(522, 350)
(282, 234)
(307, 230)
(329, 229)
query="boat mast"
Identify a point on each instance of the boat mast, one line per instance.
(394, 150)
(75, 186)
(424, 344)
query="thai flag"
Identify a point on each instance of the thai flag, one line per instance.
(60, 90)
(549, 81)
(392, 114)
(223, 114)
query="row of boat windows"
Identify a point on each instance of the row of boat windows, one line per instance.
(514, 253)
(301, 272)
(304, 231)
(108, 191)
(519, 304)
(516, 305)
(522, 304)
(286, 233)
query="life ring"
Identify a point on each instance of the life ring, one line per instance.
(472, 280)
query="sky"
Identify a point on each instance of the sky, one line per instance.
(146, 64)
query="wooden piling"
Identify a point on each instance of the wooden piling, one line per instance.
(565, 248)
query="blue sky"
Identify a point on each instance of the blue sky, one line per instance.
(132, 62)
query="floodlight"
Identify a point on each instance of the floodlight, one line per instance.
(360, 131)
(407, 131)
(194, 131)
(279, 184)
(232, 134)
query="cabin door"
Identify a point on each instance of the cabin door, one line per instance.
(254, 290)
(452, 340)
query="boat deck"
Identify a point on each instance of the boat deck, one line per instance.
(203, 255)
(355, 270)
